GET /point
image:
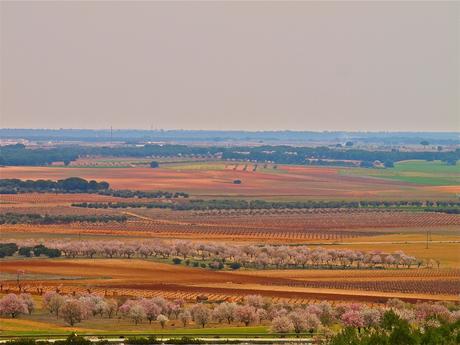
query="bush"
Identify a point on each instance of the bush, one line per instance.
(25, 251)
(73, 339)
(177, 261)
(216, 265)
(235, 265)
(53, 253)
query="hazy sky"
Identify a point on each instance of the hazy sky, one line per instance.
(222, 65)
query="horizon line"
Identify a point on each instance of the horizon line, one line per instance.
(229, 130)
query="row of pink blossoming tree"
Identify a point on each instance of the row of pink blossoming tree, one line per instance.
(217, 256)
(253, 309)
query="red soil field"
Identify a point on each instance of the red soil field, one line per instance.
(52, 199)
(144, 278)
(297, 226)
(308, 182)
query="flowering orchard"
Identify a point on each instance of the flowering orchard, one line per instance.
(217, 256)
(252, 310)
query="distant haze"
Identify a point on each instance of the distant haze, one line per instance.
(231, 65)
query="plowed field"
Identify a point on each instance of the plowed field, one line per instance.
(144, 278)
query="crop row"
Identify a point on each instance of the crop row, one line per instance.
(447, 286)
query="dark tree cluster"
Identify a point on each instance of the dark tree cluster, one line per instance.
(68, 185)
(126, 193)
(338, 163)
(19, 155)
(300, 155)
(33, 218)
(7, 249)
(80, 185)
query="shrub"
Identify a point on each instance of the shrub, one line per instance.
(73, 339)
(25, 251)
(176, 261)
(235, 265)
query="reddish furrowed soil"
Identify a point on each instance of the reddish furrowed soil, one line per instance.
(308, 182)
(52, 199)
(144, 278)
(263, 226)
(58, 210)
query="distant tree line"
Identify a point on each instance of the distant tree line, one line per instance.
(132, 204)
(33, 218)
(68, 185)
(451, 210)
(232, 204)
(126, 193)
(320, 162)
(79, 185)
(138, 136)
(300, 155)
(283, 154)
(18, 155)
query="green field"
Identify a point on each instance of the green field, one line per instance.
(433, 173)
(34, 326)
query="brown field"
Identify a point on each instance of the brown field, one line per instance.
(305, 182)
(145, 278)
(294, 226)
(58, 209)
(52, 199)
(367, 230)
